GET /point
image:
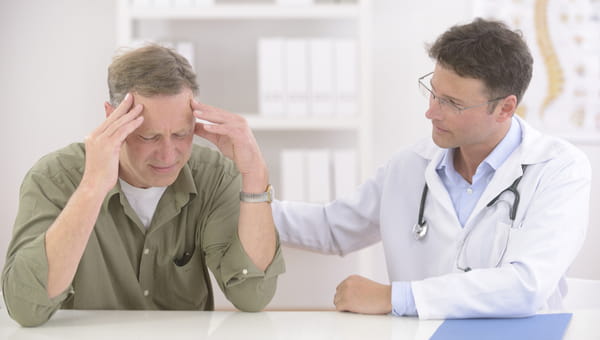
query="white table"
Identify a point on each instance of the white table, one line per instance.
(189, 325)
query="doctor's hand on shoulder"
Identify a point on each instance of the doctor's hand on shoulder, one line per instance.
(234, 138)
(358, 294)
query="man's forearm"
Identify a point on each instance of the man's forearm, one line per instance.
(256, 228)
(257, 233)
(67, 237)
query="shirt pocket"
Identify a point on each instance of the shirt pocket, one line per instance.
(187, 286)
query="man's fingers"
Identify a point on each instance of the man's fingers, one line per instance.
(122, 108)
(118, 112)
(128, 128)
(215, 114)
(124, 119)
(211, 116)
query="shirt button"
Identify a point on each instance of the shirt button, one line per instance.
(146, 292)
(469, 191)
(146, 251)
(245, 271)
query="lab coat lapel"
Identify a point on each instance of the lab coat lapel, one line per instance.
(437, 190)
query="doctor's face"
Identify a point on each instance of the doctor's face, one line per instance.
(154, 154)
(473, 127)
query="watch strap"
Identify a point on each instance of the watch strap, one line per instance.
(266, 196)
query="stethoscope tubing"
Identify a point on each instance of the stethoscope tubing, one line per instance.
(421, 228)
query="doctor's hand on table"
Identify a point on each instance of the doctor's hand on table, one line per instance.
(358, 294)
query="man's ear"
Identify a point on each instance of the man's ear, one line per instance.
(507, 108)
(108, 109)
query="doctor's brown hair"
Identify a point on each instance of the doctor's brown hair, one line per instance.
(488, 51)
(150, 70)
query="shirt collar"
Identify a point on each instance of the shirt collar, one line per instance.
(507, 145)
(184, 188)
(499, 154)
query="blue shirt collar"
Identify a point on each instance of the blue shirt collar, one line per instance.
(494, 160)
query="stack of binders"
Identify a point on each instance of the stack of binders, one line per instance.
(317, 175)
(307, 77)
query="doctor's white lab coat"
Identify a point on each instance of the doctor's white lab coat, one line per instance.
(518, 267)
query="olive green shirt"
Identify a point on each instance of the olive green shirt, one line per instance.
(125, 265)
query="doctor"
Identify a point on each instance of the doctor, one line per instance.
(484, 221)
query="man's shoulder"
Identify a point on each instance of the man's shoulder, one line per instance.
(69, 159)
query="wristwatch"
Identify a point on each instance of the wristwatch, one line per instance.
(266, 196)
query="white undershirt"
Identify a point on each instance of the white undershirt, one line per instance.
(143, 201)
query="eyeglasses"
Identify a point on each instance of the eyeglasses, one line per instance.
(446, 105)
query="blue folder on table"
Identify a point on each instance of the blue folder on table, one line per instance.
(537, 327)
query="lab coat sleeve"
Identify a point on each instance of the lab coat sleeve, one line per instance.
(539, 252)
(339, 227)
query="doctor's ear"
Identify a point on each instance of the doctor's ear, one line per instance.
(506, 108)
(108, 109)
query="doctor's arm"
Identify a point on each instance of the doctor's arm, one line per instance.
(340, 227)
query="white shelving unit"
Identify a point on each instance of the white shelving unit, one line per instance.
(225, 37)
(356, 15)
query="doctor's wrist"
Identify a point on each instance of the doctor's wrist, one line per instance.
(403, 301)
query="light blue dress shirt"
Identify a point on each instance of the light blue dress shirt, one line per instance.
(464, 197)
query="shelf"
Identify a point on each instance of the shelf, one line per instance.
(250, 12)
(234, 31)
(259, 123)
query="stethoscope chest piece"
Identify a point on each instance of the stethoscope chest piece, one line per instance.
(420, 230)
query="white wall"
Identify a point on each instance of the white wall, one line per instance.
(53, 59)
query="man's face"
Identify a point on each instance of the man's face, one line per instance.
(472, 128)
(154, 154)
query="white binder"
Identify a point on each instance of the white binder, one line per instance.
(186, 49)
(271, 76)
(293, 184)
(296, 60)
(322, 95)
(346, 77)
(319, 185)
(344, 172)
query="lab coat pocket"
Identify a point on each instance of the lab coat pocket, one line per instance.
(484, 247)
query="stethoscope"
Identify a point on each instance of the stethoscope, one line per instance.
(421, 228)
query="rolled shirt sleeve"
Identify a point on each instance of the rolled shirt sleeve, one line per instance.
(247, 287)
(403, 301)
(24, 285)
